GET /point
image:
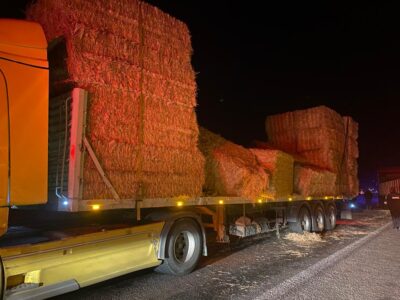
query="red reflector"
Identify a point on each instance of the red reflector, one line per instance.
(72, 152)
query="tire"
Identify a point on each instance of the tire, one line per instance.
(319, 219)
(183, 248)
(303, 222)
(330, 217)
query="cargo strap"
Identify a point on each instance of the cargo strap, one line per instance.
(100, 169)
(345, 155)
(139, 153)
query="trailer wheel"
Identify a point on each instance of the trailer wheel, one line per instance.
(303, 222)
(330, 217)
(183, 249)
(319, 217)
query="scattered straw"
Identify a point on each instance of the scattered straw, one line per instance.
(306, 238)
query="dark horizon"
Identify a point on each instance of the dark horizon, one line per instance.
(262, 59)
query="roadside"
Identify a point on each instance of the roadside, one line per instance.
(370, 272)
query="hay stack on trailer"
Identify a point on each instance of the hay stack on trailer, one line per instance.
(324, 139)
(314, 182)
(349, 180)
(135, 62)
(231, 170)
(279, 166)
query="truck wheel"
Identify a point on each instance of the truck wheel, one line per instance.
(330, 217)
(303, 222)
(183, 249)
(319, 217)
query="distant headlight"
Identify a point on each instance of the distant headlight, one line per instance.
(352, 205)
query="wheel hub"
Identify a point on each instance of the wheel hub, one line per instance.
(332, 218)
(305, 223)
(184, 246)
(320, 221)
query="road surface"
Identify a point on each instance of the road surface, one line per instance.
(290, 267)
(372, 271)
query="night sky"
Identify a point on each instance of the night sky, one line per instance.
(264, 57)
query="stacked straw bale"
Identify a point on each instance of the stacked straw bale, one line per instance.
(315, 182)
(348, 182)
(231, 170)
(324, 139)
(279, 166)
(135, 61)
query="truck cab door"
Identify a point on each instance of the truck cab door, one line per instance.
(4, 154)
(4, 141)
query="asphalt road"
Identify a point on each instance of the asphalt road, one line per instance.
(346, 263)
(372, 271)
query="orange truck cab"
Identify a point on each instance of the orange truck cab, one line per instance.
(24, 94)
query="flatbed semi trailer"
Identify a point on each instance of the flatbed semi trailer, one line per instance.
(168, 233)
(171, 238)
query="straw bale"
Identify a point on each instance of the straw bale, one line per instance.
(324, 158)
(169, 90)
(351, 127)
(107, 44)
(347, 179)
(237, 178)
(115, 156)
(127, 9)
(320, 116)
(163, 46)
(350, 188)
(231, 169)
(163, 24)
(158, 185)
(117, 122)
(116, 16)
(316, 117)
(297, 158)
(279, 166)
(309, 139)
(126, 129)
(87, 69)
(279, 123)
(304, 130)
(315, 182)
(318, 138)
(125, 168)
(118, 162)
(284, 140)
(352, 148)
(164, 124)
